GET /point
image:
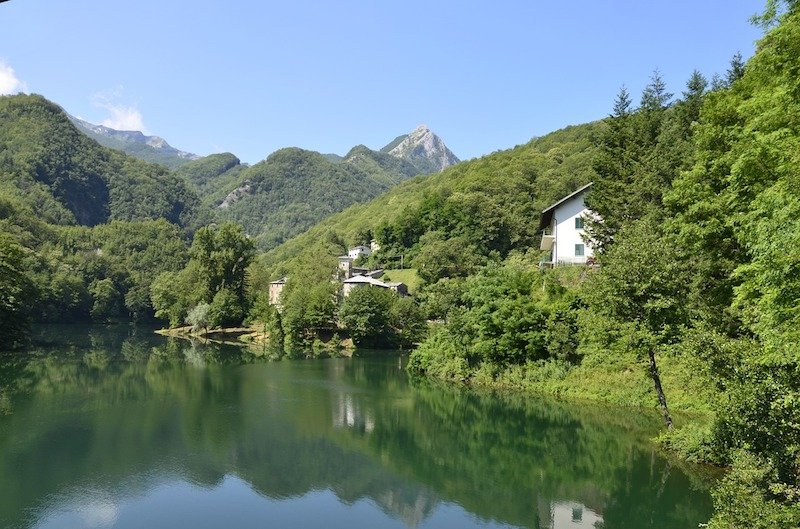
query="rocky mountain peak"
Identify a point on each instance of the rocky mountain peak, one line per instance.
(424, 149)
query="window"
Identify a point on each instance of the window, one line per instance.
(578, 250)
(578, 223)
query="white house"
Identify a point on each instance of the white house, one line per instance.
(275, 291)
(564, 235)
(358, 251)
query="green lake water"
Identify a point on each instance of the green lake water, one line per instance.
(117, 427)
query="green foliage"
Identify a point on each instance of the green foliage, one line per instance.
(407, 322)
(106, 300)
(67, 178)
(199, 317)
(174, 294)
(293, 189)
(639, 154)
(98, 273)
(212, 175)
(215, 275)
(377, 317)
(507, 315)
(442, 258)
(222, 254)
(15, 293)
(692, 442)
(747, 498)
(642, 284)
(309, 310)
(365, 314)
(226, 309)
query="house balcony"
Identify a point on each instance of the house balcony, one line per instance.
(548, 239)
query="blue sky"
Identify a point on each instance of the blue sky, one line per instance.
(250, 77)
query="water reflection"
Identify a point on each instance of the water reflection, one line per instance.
(118, 426)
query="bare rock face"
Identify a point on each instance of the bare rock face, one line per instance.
(236, 195)
(426, 150)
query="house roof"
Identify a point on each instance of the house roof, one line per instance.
(281, 281)
(547, 213)
(357, 280)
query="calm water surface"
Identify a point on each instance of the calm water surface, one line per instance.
(116, 427)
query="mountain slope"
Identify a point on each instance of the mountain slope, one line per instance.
(146, 148)
(489, 202)
(383, 168)
(67, 178)
(213, 176)
(293, 188)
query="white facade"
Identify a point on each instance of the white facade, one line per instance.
(564, 233)
(358, 251)
(573, 515)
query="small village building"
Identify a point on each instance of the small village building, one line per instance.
(347, 270)
(359, 251)
(361, 281)
(275, 291)
(563, 232)
(346, 266)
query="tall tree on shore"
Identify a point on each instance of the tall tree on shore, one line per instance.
(15, 293)
(643, 294)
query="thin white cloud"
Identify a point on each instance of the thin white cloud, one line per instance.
(9, 82)
(121, 116)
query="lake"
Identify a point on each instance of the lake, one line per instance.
(116, 427)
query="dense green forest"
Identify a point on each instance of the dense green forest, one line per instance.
(213, 176)
(294, 189)
(66, 178)
(85, 229)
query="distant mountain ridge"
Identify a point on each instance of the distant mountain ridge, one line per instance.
(293, 189)
(135, 143)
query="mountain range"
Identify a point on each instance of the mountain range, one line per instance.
(53, 165)
(135, 143)
(293, 188)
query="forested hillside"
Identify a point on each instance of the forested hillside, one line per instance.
(66, 178)
(491, 204)
(213, 176)
(84, 230)
(293, 189)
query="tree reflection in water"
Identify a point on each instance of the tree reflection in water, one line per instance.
(100, 417)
